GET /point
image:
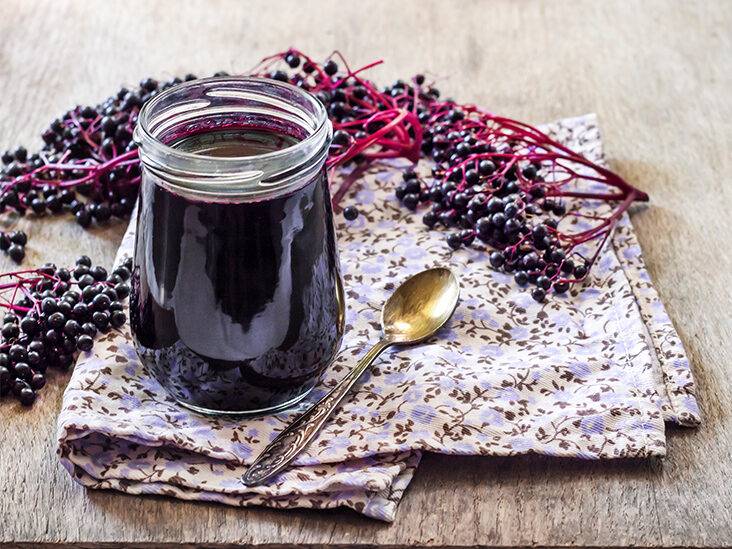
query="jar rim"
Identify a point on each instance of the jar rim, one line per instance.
(239, 174)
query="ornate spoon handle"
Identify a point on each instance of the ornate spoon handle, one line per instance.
(293, 440)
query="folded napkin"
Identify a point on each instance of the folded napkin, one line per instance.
(592, 374)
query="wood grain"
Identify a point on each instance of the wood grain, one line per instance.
(659, 76)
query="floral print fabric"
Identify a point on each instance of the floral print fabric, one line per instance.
(593, 374)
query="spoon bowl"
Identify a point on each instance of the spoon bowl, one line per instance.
(420, 306)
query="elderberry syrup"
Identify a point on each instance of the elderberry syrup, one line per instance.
(236, 303)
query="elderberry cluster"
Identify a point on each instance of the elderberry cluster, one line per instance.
(347, 102)
(343, 102)
(518, 224)
(350, 103)
(13, 243)
(99, 133)
(58, 315)
(496, 201)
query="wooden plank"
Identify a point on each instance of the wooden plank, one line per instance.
(658, 74)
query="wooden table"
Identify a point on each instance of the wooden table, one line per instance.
(659, 76)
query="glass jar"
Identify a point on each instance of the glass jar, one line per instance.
(237, 300)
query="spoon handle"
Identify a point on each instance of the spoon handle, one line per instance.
(295, 438)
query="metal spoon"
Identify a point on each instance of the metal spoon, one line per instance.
(415, 311)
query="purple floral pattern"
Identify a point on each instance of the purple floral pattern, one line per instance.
(593, 374)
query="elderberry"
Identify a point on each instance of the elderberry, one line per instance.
(561, 287)
(350, 213)
(13, 243)
(330, 67)
(497, 259)
(26, 396)
(580, 271)
(454, 241)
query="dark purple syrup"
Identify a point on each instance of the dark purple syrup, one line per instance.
(236, 306)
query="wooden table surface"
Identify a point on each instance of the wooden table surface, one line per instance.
(659, 76)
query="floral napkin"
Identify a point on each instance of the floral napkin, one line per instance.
(593, 374)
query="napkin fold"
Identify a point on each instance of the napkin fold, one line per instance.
(593, 374)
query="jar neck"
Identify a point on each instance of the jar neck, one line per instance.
(241, 104)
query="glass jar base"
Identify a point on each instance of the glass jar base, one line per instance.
(246, 413)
